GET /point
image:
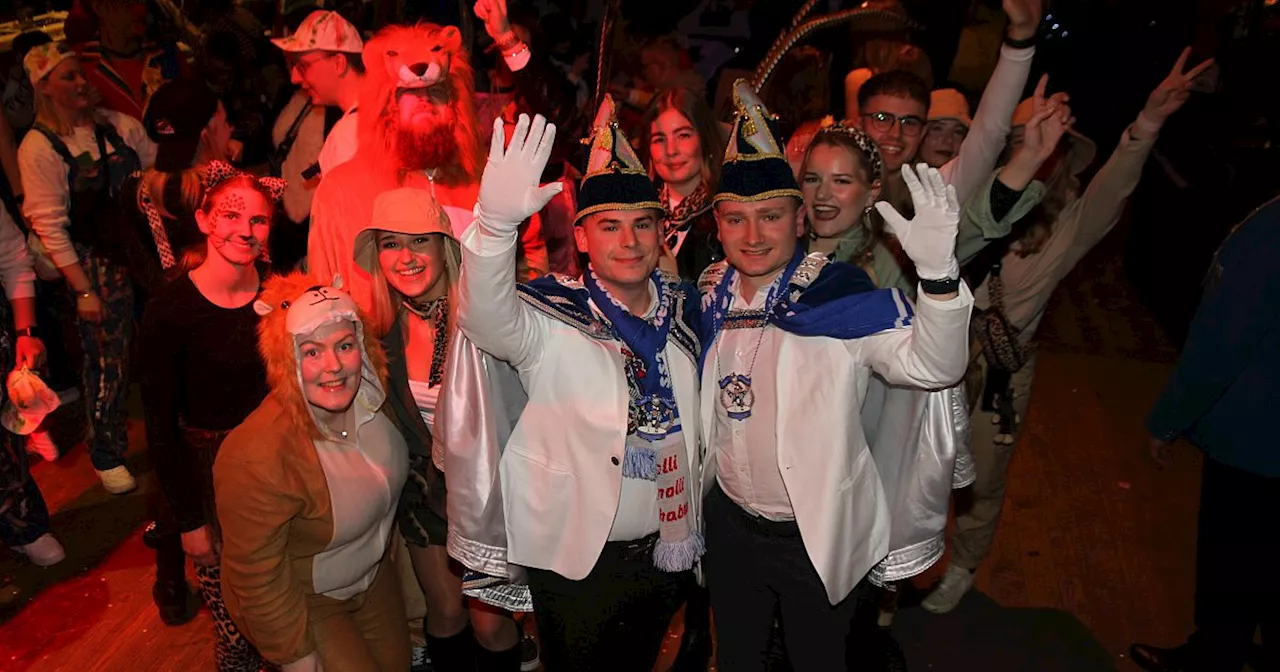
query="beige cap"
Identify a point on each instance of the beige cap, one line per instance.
(949, 104)
(1083, 150)
(411, 211)
(323, 31)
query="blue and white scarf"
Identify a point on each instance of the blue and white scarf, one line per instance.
(655, 449)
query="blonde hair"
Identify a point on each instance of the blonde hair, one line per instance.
(47, 114)
(153, 183)
(388, 303)
(1061, 189)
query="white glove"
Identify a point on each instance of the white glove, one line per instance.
(930, 237)
(509, 191)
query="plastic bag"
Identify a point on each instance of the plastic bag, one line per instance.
(29, 401)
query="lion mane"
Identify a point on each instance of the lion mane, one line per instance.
(423, 44)
(279, 352)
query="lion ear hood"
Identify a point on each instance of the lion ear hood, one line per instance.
(294, 306)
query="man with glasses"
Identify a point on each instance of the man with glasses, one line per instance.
(896, 108)
(324, 61)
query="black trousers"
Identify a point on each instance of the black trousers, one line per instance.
(612, 620)
(1239, 532)
(757, 570)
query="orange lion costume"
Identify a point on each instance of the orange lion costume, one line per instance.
(418, 128)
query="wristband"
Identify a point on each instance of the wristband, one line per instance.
(946, 286)
(84, 295)
(508, 41)
(29, 332)
(1021, 44)
(519, 48)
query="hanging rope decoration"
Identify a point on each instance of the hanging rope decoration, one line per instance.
(795, 21)
(792, 38)
(604, 51)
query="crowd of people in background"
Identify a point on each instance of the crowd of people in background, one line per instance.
(353, 252)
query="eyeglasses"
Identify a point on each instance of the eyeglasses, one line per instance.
(883, 121)
(302, 64)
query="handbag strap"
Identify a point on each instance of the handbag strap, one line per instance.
(995, 288)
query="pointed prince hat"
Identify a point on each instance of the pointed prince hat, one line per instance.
(755, 167)
(615, 179)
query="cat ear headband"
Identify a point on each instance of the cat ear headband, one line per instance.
(218, 172)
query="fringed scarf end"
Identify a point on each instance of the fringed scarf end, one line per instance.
(679, 556)
(640, 461)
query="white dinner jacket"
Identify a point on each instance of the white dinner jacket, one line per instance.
(561, 469)
(827, 468)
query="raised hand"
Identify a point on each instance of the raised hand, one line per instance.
(1171, 93)
(494, 15)
(1024, 18)
(509, 189)
(1050, 119)
(929, 238)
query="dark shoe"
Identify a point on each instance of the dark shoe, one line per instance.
(499, 661)
(530, 661)
(151, 535)
(892, 658)
(695, 651)
(451, 654)
(1156, 659)
(177, 604)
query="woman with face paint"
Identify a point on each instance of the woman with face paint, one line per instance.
(414, 260)
(686, 145)
(307, 489)
(189, 126)
(201, 377)
(72, 167)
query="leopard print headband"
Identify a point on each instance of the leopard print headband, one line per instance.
(218, 172)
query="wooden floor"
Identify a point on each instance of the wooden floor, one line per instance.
(1090, 527)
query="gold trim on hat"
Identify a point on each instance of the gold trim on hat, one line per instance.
(615, 168)
(762, 196)
(601, 207)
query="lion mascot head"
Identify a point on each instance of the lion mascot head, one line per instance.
(417, 106)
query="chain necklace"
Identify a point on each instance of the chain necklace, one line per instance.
(435, 311)
(736, 396)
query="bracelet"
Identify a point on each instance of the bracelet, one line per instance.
(29, 332)
(1021, 44)
(508, 41)
(520, 50)
(944, 286)
(85, 294)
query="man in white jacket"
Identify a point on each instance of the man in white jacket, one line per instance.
(598, 478)
(795, 513)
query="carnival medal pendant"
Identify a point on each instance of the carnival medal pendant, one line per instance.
(736, 396)
(654, 418)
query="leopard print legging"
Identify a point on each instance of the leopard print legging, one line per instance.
(232, 651)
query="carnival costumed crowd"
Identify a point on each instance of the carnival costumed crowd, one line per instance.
(445, 355)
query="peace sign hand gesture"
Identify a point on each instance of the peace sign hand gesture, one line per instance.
(1169, 96)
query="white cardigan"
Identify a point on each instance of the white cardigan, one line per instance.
(835, 490)
(560, 470)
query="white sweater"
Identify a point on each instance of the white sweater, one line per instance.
(44, 179)
(987, 136)
(15, 260)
